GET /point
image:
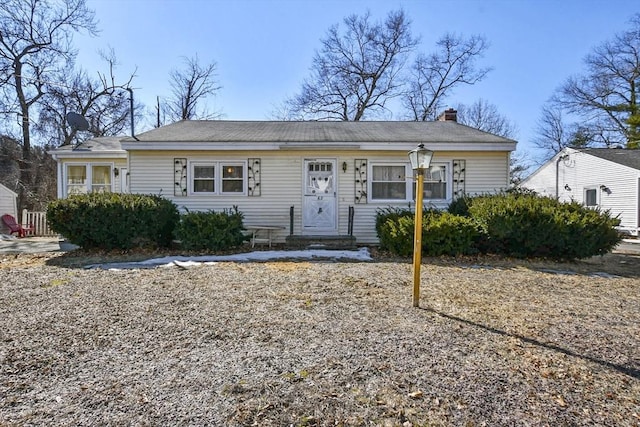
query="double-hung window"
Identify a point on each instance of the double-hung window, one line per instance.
(389, 182)
(204, 178)
(218, 177)
(232, 178)
(435, 182)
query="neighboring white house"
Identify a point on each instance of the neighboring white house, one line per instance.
(8, 205)
(325, 178)
(607, 178)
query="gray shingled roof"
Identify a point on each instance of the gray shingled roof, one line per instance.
(315, 131)
(103, 143)
(630, 158)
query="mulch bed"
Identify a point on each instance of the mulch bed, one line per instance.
(495, 342)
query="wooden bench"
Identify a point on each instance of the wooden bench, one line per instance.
(262, 233)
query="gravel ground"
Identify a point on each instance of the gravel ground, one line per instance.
(495, 343)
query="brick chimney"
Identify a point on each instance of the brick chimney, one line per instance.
(449, 115)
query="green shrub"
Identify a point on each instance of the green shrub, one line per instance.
(211, 230)
(449, 234)
(396, 235)
(114, 220)
(442, 233)
(525, 225)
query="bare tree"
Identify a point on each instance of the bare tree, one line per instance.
(519, 166)
(357, 70)
(434, 77)
(101, 100)
(605, 98)
(485, 116)
(553, 133)
(35, 36)
(189, 89)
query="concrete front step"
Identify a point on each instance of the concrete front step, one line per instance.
(321, 242)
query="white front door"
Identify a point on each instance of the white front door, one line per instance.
(319, 204)
(124, 180)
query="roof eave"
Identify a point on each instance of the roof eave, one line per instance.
(325, 146)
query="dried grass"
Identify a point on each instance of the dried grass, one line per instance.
(496, 342)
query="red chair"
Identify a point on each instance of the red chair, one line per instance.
(14, 227)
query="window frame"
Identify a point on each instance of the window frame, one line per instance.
(408, 180)
(218, 177)
(448, 181)
(89, 185)
(596, 191)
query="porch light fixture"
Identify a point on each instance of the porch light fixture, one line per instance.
(420, 158)
(116, 172)
(344, 166)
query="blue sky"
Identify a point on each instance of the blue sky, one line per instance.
(264, 48)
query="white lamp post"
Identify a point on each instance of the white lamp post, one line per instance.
(420, 160)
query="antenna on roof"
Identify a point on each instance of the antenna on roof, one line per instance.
(77, 121)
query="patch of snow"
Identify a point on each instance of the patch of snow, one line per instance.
(361, 254)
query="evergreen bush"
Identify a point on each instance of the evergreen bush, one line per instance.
(525, 225)
(114, 220)
(211, 230)
(442, 233)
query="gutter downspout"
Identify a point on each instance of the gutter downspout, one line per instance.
(558, 160)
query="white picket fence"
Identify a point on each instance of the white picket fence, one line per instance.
(39, 222)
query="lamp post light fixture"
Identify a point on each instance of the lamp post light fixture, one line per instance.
(420, 160)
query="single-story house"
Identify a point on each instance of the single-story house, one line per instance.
(607, 178)
(302, 178)
(8, 205)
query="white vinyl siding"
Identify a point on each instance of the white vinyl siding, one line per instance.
(282, 180)
(581, 171)
(8, 205)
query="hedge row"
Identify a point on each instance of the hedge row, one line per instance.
(513, 224)
(124, 221)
